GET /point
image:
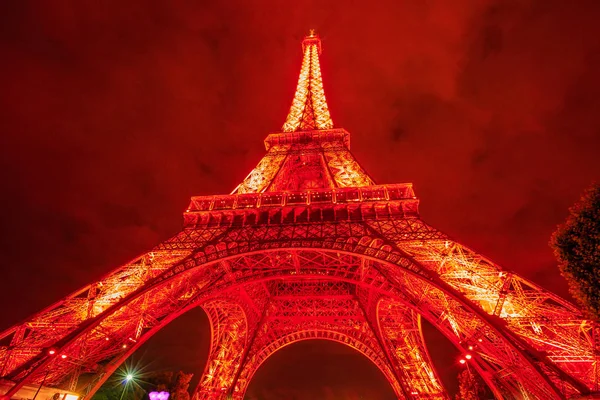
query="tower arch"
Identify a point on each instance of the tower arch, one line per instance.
(332, 336)
(281, 262)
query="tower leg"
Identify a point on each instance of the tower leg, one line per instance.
(234, 320)
(398, 331)
(229, 334)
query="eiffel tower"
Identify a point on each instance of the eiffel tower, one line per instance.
(309, 247)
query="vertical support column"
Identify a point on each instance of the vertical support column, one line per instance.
(596, 346)
(229, 333)
(235, 319)
(398, 330)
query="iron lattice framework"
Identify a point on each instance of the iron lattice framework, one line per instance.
(309, 247)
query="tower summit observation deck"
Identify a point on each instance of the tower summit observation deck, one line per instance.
(309, 247)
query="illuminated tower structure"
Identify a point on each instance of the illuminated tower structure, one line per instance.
(309, 247)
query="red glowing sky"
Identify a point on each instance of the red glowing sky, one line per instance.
(113, 114)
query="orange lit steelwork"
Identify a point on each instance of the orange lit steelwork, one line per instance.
(309, 108)
(309, 247)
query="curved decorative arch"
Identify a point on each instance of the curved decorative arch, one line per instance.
(212, 273)
(229, 332)
(338, 337)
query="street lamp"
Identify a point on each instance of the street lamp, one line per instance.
(128, 378)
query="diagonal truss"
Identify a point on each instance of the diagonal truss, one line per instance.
(308, 247)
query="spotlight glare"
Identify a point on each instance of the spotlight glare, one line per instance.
(158, 395)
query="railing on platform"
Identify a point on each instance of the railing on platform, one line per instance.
(317, 136)
(402, 191)
(381, 201)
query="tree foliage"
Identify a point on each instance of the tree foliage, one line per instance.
(108, 392)
(180, 391)
(576, 246)
(160, 381)
(470, 386)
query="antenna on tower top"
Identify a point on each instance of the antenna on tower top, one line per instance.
(312, 38)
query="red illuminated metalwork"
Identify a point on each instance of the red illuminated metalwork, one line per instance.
(309, 247)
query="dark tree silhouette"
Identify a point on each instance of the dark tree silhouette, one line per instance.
(160, 381)
(576, 246)
(180, 390)
(470, 386)
(176, 384)
(108, 392)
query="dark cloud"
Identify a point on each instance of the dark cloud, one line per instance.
(113, 114)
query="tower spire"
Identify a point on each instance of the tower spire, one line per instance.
(309, 109)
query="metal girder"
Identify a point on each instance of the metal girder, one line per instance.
(194, 278)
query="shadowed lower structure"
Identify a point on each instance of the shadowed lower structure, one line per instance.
(309, 247)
